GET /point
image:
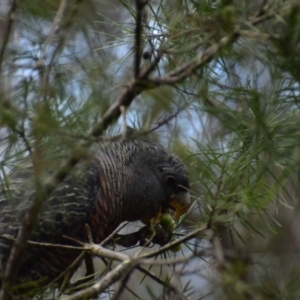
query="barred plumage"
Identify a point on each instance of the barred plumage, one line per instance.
(125, 180)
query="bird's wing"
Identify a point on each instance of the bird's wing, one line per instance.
(64, 213)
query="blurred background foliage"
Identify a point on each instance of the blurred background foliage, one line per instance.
(235, 120)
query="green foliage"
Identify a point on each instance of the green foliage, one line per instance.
(233, 119)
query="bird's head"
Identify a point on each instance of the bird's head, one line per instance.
(164, 180)
(175, 180)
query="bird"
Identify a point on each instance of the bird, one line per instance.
(122, 180)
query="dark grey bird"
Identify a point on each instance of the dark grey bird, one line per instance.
(124, 180)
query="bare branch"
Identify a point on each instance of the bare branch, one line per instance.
(123, 269)
(187, 237)
(110, 278)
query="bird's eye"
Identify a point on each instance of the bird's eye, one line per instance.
(170, 180)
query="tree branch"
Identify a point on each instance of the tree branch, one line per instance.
(139, 5)
(10, 20)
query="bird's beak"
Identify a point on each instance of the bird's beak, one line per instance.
(180, 203)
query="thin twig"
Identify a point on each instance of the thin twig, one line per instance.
(55, 25)
(68, 273)
(167, 285)
(183, 71)
(46, 71)
(71, 267)
(139, 5)
(88, 233)
(187, 237)
(168, 118)
(120, 289)
(124, 123)
(111, 236)
(10, 20)
(10, 238)
(116, 274)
